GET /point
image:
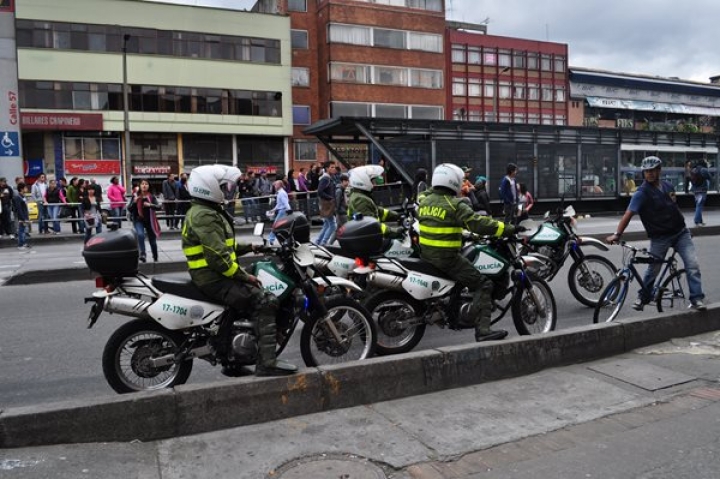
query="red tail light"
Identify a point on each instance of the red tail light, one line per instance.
(100, 283)
(359, 262)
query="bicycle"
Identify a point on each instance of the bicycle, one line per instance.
(668, 289)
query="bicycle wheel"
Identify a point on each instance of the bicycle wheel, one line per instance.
(611, 301)
(673, 294)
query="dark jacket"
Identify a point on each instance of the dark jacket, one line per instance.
(507, 195)
(21, 208)
(169, 190)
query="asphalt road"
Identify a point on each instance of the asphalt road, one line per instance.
(48, 355)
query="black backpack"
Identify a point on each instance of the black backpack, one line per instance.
(696, 177)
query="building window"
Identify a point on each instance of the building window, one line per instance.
(431, 5)
(489, 89)
(519, 91)
(560, 64)
(300, 76)
(458, 54)
(346, 72)
(391, 111)
(349, 34)
(305, 150)
(518, 60)
(474, 87)
(389, 38)
(545, 63)
(459, 87)
(490, 58)
(338, 109)
(560, 94)
(474, 57)
(533, 118)
(391, 76)
(426, 112)
(301, 115)
(534, 92)
(299, 39)
(426, 78)
(547, 93)
(425, 42)
(532, 61)
(505, 91)
(504, 59)
(88, 147)
(297, 5)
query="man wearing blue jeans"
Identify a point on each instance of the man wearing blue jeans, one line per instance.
(654, 201)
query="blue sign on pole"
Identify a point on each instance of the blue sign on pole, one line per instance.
(9, 143)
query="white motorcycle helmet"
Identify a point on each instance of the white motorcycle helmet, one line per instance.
(206, 181)
(448, 176)
(362, 176)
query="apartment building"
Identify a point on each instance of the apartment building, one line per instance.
(506, 80)
(206, 85)
(367, 58)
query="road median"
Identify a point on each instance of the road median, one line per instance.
(193, 409)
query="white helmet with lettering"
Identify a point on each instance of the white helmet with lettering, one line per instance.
(362, 176)
(448, 176)
(206, 182)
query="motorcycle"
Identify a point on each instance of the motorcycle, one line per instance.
(415, 294)
(176, 323)
(557, 240)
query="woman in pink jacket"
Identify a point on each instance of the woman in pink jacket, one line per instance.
(116, 195)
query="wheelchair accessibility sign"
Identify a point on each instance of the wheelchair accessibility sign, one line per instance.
(9, 143)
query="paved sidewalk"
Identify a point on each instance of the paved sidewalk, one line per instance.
(632, 415)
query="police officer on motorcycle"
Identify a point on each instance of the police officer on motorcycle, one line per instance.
(361, 201)
(443, 215)
(208, 241)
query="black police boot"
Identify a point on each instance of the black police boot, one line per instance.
(235, 371)
(268, 364)
(489, 335)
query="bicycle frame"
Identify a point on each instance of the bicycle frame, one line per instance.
(630, 271)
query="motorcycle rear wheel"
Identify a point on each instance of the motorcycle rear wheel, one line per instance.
(528, 315)
(125, 359)
(352, 322)
(385, 308)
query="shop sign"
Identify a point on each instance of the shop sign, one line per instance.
(62, 121)
(152, 170)
(258, 170)
(92, 167)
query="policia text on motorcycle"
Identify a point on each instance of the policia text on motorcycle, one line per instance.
(443, 215)
(208, 241)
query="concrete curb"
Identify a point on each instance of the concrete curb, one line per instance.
(195, 409)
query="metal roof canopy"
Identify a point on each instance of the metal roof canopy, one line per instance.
(376, 130)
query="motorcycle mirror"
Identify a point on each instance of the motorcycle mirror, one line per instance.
(259, 229)
(569, 211)
(531, 227)
(546, 215)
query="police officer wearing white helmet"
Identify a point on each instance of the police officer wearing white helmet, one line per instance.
(362, 182)
(443, 215)
(208, 242)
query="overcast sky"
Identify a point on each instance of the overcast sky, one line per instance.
(650, 37)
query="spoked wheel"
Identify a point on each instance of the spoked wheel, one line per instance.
(128, 353)
(533, 309)
(397, 320)
(673, 293)
(345, 333)
(587, 279)
(611, 301)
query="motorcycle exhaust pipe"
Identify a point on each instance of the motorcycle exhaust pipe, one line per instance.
(385, 281)
(127, 306)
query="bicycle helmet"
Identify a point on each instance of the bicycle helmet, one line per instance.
(362, 176)
(650, 163)
(448, 176)
(208, 181)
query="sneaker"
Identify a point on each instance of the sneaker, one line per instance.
(699, 224)
(12, 237)
(638, 305)
(698, 305)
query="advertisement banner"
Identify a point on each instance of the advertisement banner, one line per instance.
(92, 167)
(62, 121)
(151, 170)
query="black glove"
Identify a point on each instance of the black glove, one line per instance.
(520, 229)
(509, 230)
(396, 233)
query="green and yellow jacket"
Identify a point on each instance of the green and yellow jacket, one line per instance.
(443, 216)
(361, 202)
(208, 241)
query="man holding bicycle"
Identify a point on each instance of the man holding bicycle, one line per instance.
(654, 201)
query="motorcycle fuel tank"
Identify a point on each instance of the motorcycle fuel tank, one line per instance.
(175, 312)
(547, 235)
(273, 280)
(487, 261)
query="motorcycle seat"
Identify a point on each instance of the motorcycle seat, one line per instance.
(180, 286)
(335, 250)
(421, 266)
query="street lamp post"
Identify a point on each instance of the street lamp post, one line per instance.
(126, 117)
(496, 98)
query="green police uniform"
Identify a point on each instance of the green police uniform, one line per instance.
(443, 216)
(361, 202)
(208, 242)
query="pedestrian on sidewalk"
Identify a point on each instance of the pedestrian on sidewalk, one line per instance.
(183, 199)
(91, 213)
(23, 216)
(525, 202)
(700, 181)
(6, 196)
(73, 203)
(655, 202)
(142, 211)
(282, 206)
(170, 194)
(38, 195)
(116, 195)
(54, 200)
(508, 193)
(327, 206)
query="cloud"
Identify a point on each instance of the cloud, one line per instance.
(651, 37)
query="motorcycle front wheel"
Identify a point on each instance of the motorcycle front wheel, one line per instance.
(345, 333)
(126, 358)
(588, 278)
(533, 309)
